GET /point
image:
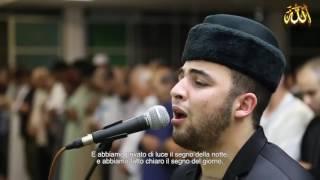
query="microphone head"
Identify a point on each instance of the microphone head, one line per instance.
(157, 117)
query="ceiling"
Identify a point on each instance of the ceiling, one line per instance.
(189, 5)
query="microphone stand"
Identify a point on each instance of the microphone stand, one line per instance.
(104, 146)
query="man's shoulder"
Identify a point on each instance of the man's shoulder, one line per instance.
(186, 172)
(314, 125)
(271, 163)
(274, 163)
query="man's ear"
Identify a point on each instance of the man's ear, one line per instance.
(244, 105)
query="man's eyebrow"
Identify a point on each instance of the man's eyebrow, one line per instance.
(200, 72)
(181, 71)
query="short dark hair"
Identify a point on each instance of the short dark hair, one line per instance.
(243, 84)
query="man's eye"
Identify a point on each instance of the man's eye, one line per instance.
(200, 83)
(311, 93)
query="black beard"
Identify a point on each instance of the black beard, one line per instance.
(207, 134)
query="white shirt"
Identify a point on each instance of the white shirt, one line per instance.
(21, 95)
(37, 119)
(287, 124)
(131, 143)
(57, 98)
(111, 109)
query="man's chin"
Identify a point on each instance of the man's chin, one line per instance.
(178, 136)
(184, 140)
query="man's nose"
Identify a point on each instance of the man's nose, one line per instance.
(179, 91)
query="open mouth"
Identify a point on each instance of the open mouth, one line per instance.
(178, 113)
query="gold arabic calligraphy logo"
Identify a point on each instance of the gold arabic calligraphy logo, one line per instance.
(297, 14)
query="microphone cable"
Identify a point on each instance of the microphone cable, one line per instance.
(54, 162)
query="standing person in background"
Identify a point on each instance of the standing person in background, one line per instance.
(37, 126)
(160, 140)
(126, 106)
(122, 90)
(140, 79)
(23, 106)
(75, 164)
(54, 108)
(285, 120)
(73, 76)
(105, 109)
(308, 81)
(17, 156)
(4, 123)
(55, 103)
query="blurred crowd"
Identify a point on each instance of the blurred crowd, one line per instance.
(49, 107)
(55, 105)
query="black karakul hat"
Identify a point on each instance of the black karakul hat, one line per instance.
(240, 44)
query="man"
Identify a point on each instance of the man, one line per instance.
(232, 66)
(23, 107)
(78, 111)
(285, 120)
(160, 140)
(54, 105)
(139, 82)
(308, 82)
(38, 147)
(4, 123)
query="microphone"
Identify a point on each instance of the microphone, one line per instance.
(156, 117)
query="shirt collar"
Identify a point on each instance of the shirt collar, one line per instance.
(247, 155)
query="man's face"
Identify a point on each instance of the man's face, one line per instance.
(162, 83)
(309, 86)
(98, 79)
(139, 82)
(201, 105)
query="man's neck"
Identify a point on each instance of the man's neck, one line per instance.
(232, 140)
